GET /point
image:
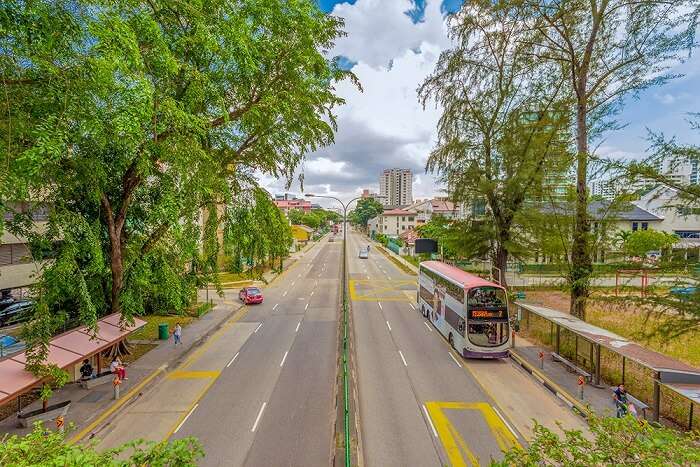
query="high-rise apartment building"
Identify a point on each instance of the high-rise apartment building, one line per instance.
(396, 187)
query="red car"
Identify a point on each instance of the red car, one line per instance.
(250, 295)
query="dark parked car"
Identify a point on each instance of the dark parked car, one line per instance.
(16, 313)
(6, 300)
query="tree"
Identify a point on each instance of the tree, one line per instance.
(256, 231)
(503, 124)
(366, 209)
(605, 49)
(48, 447)
(641, 242)
(128, 123)
(616, 441)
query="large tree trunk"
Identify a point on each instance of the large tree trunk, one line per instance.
(501, 262)
(581, 266)
(117, 265)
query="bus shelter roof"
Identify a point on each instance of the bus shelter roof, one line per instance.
(678, 376)
(64, 350)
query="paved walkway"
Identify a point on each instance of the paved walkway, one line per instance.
(94, 405)
(558, 378)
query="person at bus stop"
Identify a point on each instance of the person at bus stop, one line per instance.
(117, 367)
(620, 397)
(86, 370)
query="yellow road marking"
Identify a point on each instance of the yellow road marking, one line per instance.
(202, 348)
(117, 404)
(376, 287)
(193, 374)
(446, 433)
(504, 437)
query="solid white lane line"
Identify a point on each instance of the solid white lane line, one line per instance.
(454, 359)
(404, 360)
(427, 326)
(258, 328)
(503, 419)
(255, 425)
(234, 358)
(380, 305)
(284, 358)
(275, 307)
(388, 325)
(412, 306)
(285, 293)
(432, 427)
(306, 307)
(185, 419)
(298, 324)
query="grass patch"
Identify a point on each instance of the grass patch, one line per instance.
(138, 351)
(150, 330)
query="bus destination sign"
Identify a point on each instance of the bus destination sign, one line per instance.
(485, 314)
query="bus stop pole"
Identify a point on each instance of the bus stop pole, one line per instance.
(657, 397)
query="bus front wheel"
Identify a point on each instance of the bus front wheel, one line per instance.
(451, 340)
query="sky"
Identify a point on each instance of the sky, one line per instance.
(392, 46)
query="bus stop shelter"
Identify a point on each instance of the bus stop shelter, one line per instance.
(678, 377)
(65, 351)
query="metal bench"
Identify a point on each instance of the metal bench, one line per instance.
(571, 366)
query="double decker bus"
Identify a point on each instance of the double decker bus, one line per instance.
(471, 312)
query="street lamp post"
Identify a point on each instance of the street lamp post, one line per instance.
(346, 392)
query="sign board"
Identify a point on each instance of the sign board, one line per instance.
(425, 245)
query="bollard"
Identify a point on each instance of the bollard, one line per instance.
(541, 355)
(512, 341)
(116, 382)
(581, 382)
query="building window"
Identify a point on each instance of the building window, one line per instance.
(403, 218)
(403, 227)
(645, 225)
(635, 226)
(410, 219)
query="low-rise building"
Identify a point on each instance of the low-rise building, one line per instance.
(17, 267)
(427, 208)
(392, 222)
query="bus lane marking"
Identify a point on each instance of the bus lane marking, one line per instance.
(449, 437)
(432, 427)
(185, 419)
(454, 359)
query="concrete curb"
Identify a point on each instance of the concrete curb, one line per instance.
(576, 405)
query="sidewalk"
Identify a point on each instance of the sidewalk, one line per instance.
(563, 383)
(91, 409)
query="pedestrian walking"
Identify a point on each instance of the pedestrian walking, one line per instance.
(177, 334)
(620, 397)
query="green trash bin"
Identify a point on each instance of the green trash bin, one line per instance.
(163, 332)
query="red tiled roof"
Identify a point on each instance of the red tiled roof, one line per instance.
(409, 236)
(397, 212)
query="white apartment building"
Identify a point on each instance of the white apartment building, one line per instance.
(392, 222)
(427, 208)
(396, 187)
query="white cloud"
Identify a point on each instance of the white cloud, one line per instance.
(384, 126)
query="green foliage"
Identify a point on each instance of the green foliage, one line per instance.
(616, 441)
(366, 209)
(50, 448)
(256, 231)
(640, 242)
(503, 137)
(126, 120)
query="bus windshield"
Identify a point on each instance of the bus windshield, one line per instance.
(487, 316)
(486, 296)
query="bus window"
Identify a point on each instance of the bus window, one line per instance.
(488, 334)
(486, 297)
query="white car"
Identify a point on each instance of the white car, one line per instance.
(364, 253)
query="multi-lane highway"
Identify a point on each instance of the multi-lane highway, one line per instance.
(261, 390)
(420, 403)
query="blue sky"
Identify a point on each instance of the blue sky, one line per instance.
(392, 45)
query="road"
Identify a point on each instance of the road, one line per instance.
(261, 391)
(420, 403)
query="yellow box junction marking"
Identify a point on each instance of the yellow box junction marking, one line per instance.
(370, 290)
(451, 439)
(193, 374)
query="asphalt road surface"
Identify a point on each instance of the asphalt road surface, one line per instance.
(419, 405)
(273, 403)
